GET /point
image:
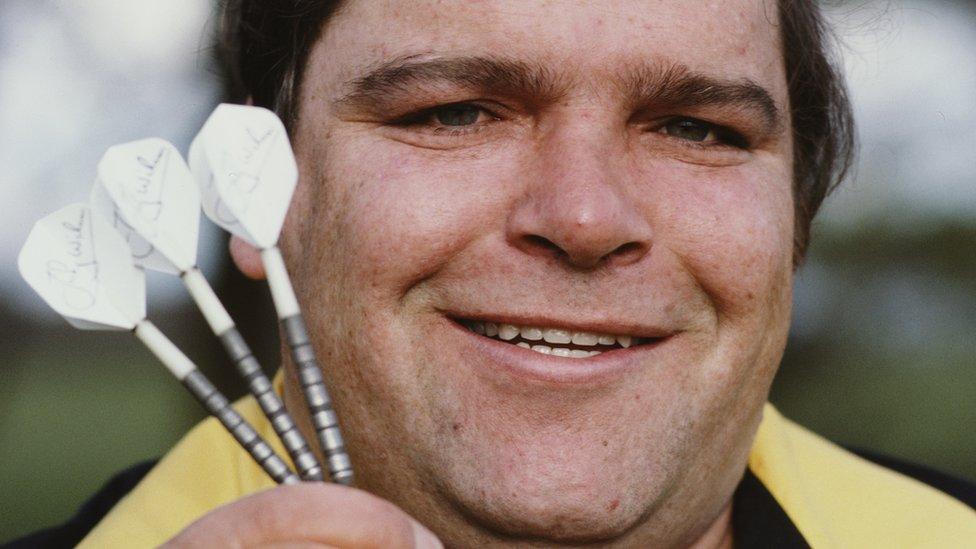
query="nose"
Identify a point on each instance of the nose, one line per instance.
(577, 207)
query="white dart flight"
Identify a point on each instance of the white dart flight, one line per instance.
(83, 269)
(243, 163)
(75, 263)
(146, 190)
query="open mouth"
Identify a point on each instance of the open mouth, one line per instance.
(555, 341)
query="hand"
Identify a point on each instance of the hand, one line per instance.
(308, 514)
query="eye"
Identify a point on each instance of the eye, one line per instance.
(455, 117)
(690, 129)
(462, 114)
(451, 125)
(698, 131)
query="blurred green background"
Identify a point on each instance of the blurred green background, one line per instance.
(882, 354)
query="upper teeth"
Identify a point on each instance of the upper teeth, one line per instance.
(508, 332)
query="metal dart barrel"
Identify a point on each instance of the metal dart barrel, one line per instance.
(324, 418)
(259, 386)
(214, 402)
(218, 405)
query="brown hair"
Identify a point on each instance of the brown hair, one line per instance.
(264, 46)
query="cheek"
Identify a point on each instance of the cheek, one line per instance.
(732, 228)
(407, 214)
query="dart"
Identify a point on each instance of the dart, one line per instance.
(243, 163)
(83, 269)
(145, 189)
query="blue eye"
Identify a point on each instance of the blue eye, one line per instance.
(457, 115)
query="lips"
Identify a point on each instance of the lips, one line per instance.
(514, 359)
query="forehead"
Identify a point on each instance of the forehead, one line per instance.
(734, 39)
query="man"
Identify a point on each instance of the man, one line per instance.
(545, 250)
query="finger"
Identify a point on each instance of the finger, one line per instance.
(326, 514)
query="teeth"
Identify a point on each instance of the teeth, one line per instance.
(507, 332)
(585, 338)
(553, 335)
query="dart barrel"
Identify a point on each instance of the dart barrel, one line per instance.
(324, 418)
(218, 405)
(260, 386)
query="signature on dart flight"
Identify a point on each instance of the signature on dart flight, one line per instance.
(147, 185)
(251, 158)
(77, 274)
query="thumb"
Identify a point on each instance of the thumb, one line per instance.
(424, 538)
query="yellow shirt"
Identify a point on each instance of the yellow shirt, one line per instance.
(834, 498)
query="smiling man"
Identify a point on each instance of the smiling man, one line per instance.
(545, 250)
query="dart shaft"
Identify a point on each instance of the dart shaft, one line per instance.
(282, 293)
(208, 303)
(218, 405)
(324, 418)
(308, 467)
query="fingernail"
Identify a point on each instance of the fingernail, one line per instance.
(424, 538)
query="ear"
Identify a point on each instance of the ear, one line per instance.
(247, 258)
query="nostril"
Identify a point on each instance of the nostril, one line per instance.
(626, 253)
(621, 255)
(543, 245)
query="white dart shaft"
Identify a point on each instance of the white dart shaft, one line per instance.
(285, 302)
(208, 303)
(164, 349)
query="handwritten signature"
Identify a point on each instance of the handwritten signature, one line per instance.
(78, 276)
(146, 186)
(245, 174)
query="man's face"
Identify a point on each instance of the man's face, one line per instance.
(615, 169)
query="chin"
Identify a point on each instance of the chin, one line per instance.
(569, 505)
(570, 519)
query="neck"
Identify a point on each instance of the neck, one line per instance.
(719, 534)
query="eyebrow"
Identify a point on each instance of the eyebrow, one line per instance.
(676, 86)
(649, 84)
(488, 74)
